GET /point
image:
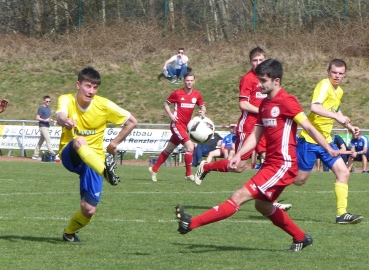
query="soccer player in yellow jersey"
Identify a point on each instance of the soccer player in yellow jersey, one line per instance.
(325, 109)
(83, 117)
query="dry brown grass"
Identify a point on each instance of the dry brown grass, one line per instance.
(126, 50)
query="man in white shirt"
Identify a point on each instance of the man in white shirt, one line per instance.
(180, 66)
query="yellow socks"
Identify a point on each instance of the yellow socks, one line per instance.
(77, 222)
(92, 159)
(341, 192)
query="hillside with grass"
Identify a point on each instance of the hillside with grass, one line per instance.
(130, 59)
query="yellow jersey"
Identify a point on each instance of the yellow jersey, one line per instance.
(330, 98)
(90, 122)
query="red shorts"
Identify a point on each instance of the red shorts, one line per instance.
(261, 147)
(269, 182)
(241, 138)
(179, 134)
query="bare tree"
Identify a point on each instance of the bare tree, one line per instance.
(222, 6)
(171, 15)
(103, 11)
(36, 28)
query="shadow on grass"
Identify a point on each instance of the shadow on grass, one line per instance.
(15, 238)
(202, 248)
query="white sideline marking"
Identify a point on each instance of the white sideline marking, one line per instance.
(170, 192)
(173, 220)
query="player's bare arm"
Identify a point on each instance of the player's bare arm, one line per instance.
(202, 111)
(128, 126)
(63, 120)
(315, 134)
(172, 117)
(247, 106)
(317, 108)
(3, 104)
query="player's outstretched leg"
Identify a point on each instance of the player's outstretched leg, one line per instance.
(297, 246)
(184, 220)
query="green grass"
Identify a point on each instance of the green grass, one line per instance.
(134, 227)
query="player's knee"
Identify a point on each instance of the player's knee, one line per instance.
(78, 142)
(300, 181)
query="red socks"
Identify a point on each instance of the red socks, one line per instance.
(220, 166)
(188, 157)
(283, 221)
(220, 212)
(161, 159)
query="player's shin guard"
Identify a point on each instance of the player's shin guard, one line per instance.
(77, 222)
(220, 212)
(92, 159)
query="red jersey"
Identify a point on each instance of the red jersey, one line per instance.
(276, 116)
(184, 104)
(249, 91)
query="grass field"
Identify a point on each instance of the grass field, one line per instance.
(134, 227)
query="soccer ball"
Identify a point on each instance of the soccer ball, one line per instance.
(200, 129)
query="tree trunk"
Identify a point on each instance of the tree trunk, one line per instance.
(103, 11)
(151, 9)
(171, 15)
(36, 28)
(224, 17)
(56, 17)
(119, 15)
(66, 17)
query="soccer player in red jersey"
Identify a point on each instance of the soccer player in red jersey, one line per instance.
(250, 98)
(280, 113)
(184, 101)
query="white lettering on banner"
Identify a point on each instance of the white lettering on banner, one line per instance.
(11, 137)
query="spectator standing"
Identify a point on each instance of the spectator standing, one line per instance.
(205, 148)
(184, 101)
(359, 147)
(44, 119)
(83, 117)
(179, 67)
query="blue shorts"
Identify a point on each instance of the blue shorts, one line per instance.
(308, 153)
(90, 182)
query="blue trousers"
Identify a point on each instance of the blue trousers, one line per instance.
(176, 72)
(200, 150)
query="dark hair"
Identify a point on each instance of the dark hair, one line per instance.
(338, 63)
(181, 49)
(89, 74)
(189, 74)
(45, 97)
(256, 51)
(270, 67)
